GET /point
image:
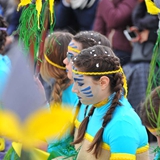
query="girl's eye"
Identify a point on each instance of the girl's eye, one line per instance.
(80, 84)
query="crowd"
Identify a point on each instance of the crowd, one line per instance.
(92, 66)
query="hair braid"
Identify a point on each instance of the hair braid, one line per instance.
(108, 116)
(83, 126)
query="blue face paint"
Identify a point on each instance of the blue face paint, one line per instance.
(88, 93)
(69, 56)
(73, 45)
(86, 89)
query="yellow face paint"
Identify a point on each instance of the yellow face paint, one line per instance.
(73, 49)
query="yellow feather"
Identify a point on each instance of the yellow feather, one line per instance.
(51, 5)
(38, 8)
(151, 7)
(23, 3)
(42, 124)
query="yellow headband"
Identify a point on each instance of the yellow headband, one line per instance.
(73, 49)
(52, 63)
(108, 72)
(153, 129)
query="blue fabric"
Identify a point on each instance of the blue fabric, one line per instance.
(5, 65)
(125, 128)
(68, 99)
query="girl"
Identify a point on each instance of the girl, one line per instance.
(111, 129)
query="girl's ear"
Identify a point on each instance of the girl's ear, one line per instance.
(104, 82)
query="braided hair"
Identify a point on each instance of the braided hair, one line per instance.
(55, 49)
(87, 62)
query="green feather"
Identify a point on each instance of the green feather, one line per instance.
(11, 155)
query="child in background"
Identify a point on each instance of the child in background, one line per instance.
(150, 115)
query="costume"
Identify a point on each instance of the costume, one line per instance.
(124, 129)
(61, 146)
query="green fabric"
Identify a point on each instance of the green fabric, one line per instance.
(63, 148)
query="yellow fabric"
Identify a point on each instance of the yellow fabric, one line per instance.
(90, 138)
(107, 147)
(151, 7)
(122, 156)
(38, 8)
(23, 3)
(77, 123)
(99, 104)
(2, 144)
(142, 149)
(17, 147)
(51, 6)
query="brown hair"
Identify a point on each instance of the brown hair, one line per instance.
(55, 49)
(91, 38)
(3, 34)
(107, 61)
(150, 109)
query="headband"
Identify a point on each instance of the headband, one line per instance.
(52, 63)
(120, 70)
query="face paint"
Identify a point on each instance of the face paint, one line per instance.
(69, 56)
(86, 89)
(74, 49)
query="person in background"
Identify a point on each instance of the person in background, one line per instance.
(75, 15)
(112, 18)
(149, 112)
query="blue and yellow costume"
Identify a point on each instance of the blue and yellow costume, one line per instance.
(124, 136)
(68, 99)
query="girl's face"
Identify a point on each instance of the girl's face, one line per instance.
(74, 49)
(91, 91)
(86, 89)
